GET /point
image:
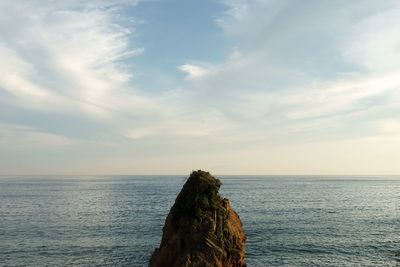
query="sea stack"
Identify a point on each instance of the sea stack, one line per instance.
(201, 228)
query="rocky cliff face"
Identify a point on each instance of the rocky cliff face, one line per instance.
(201, 228)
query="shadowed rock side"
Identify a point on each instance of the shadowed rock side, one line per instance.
(201, 228)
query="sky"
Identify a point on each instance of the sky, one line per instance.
(229, 86)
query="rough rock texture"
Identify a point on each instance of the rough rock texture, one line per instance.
(201, 228)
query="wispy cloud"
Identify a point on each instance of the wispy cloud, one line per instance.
(22, 137)
(300, 74)
(192, 71)
(287, 71)
(64, 56)
(69, 58)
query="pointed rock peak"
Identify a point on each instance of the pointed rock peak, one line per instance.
(201, 228)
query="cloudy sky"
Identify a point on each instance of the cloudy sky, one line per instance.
(168, 86)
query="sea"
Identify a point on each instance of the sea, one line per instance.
(118, 220)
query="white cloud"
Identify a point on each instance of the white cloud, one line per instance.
(301, 75)
(64, 56)
(69, 58)
(202, 124)
(342, 96)
(374, 42)
(298, 71)
(193, 71)
(22, 137)
(12, 72)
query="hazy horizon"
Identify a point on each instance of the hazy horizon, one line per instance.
(244, 87)
(218, 175)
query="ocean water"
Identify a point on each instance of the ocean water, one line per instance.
(117, 220)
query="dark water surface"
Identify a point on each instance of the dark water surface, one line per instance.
(117, 220)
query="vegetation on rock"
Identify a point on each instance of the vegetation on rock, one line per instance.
(198, 197)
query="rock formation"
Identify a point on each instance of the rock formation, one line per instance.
(201, 228)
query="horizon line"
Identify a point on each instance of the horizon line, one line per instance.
(186, 174)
